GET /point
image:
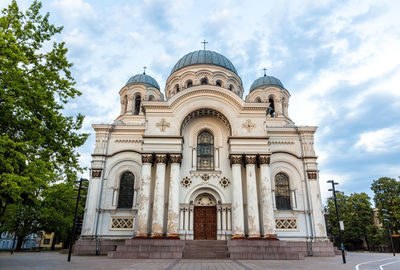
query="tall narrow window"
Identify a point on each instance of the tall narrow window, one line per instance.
(205, 151)
(271, 108)
(177, 88)
(138, 99)
(204, 81)
(231, 87)
(218, 83)
(189, 83)
(126, 188)
(282, 193)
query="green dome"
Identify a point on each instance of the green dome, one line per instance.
(266, 81)
(143, 79)
(204, 57)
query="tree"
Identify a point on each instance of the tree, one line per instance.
(37, 142)
(357, 215)
(387, 196)
(58, 209)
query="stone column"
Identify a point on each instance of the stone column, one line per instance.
(173, 204)
(315, 201)
(158, 205)
(181, 219)
(252, 201)
(144, 202)
(224, 218)
(266, 197)
(229, 220)
(216, 159)
(237, 195)
(194, 158)
(186, 218)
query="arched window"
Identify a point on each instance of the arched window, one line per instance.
(218, 83)
(205, 151)
(177, 88)
(204, 81)
(189, 83)
(126, 188)
(271, 108)
(258, 99)
(282, 193)
(138, 99)
(151, 97)
(231, 87)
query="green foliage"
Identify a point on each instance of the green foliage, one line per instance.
(37, 143)
(387, 196)
(357, 215)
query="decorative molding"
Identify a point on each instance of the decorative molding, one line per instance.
(250, 159)
(286, 224)
(280, 142)
(128, 140)
(205, 177)
(236, 159)
(163, 125)
(175, 158)
(147, 158)
(224, 182)
(264, 159)
(204, 200)
(161, 158)
(96, 173)
(249, 125)
(186, 182)
(206, 112)
(312, 175)
(121, 223)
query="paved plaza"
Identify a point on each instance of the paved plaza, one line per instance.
(54, 260)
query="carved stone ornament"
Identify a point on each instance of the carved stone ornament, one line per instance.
(161, 158)
(163, 125)
(224, 182)
(236, 159)
(186, 182)
(205, 177)
(251, 159)
(312, 175)
(264, 159)
(96, 173)
(147, 158)
(175, 158)
(248, 125)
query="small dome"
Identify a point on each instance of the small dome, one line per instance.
(204, 57)
(143, 79)
(266, 81)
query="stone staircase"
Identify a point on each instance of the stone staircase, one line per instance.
(206, 249)
(148, 249)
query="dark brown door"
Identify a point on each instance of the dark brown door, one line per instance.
(205, 223)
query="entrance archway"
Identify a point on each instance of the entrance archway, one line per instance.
(205, 217)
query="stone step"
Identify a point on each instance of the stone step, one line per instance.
(206, 249)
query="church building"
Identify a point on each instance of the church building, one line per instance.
(199, 161)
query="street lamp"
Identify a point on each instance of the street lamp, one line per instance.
(337, 218)
(76, 214)
(386, 215)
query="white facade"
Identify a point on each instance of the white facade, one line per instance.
(158, 146)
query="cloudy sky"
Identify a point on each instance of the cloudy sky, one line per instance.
(340, 60)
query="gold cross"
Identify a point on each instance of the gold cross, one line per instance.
(249, 125)
(163, 124)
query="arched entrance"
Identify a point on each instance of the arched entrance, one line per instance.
(205, 217)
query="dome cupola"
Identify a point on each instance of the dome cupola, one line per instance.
(143, 79)
(204, 57)
(264, 81)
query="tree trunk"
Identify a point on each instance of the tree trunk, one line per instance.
(53, 243)
(19, 242)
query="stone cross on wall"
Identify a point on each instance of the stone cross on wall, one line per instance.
(163, 125)
(249, 125)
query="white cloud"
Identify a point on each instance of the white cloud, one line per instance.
(74, 8)
(382, 140)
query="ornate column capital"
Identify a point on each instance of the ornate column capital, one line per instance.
(250, 159)
(161, 158)
(147, 158)
(264, 159)
(236, 159)
(96, 173)
(312, 175)
(175, 158)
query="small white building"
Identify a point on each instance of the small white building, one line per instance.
(203, 162)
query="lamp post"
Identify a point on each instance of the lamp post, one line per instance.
(337, 218)
(386, 215)
(76, 214)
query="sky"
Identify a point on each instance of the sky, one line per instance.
(340, 61)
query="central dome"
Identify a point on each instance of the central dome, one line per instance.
(204, 57)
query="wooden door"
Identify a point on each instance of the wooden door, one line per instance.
(205, 223)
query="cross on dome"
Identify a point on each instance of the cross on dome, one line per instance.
(265, 72)
(144, 69)
(204, 44)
